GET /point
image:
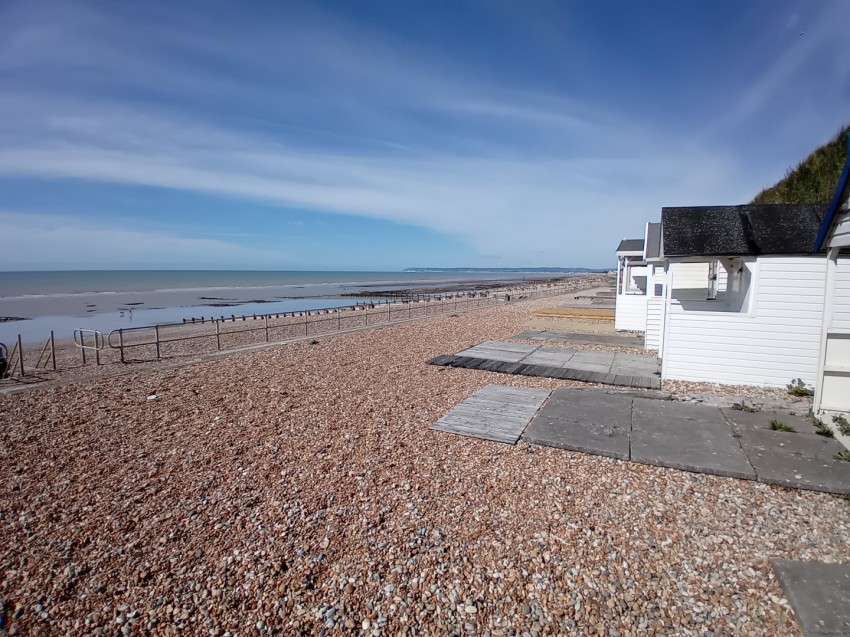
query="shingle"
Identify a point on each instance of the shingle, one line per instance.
(741, 230)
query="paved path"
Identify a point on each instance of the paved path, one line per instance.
(494, 412)
(818, 594)
(629, 370)
(696, 438)
(663, 433)
(617, 340)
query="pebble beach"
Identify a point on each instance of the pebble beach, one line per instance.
(299, 490)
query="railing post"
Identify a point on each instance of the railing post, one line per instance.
(266, 325)
(121, 343)
(97, 347)
(217, 337)
(338, 320)
(21, 354)
(83, 346)
(305, 323)
(366, 307)
(156, 333)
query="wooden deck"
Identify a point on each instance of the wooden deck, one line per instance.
(595, 313)
(494, 412)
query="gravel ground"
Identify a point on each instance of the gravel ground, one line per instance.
(299, 490)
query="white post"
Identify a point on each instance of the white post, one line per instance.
(668, 289)
(828, 302)
(619, 269)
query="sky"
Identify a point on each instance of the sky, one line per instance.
(384, 135)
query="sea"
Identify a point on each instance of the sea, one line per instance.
(109, 299)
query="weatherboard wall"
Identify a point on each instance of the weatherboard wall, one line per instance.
(654, 322)
(630, 312)
(775, 339)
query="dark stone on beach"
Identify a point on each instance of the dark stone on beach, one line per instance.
(9, 319)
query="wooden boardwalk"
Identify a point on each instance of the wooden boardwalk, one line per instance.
(494, 412)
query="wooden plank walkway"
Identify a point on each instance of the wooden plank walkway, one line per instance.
(494, 412)
(586, 312)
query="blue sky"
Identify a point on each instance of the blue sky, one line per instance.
(382, 135)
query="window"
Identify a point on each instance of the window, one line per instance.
(712, 285)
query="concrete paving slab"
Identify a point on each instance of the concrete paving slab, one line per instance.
(802, 461)
(493, 354)
(782, 443)
(690, 445)
(648, 411)
(552, 362)
(578, 436)
(743, 421)
(818, 594)
(828, 476)
(531, 335)
(635, 360)
(507, 346)
(587, 421)
(615, 340)
(635, 371)
(590, 406)
(552, 359)
(595, 358)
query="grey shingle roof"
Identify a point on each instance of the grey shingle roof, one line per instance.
(630, 245)
(741, 230)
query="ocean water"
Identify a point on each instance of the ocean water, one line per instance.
(299, 283)
(106, 300)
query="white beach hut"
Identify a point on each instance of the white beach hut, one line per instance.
(656, 276)
(832, 386)
(630, 300)
(744, 294)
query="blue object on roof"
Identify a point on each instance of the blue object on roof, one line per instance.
(835, 204)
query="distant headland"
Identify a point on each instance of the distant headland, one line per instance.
(566, 270)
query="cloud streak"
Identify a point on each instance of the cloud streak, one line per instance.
(320, 114)
(46, 242)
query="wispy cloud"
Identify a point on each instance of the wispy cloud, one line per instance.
(317, 113)
(44, 242)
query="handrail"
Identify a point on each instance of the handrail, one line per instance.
(80, 342)
(385, 313)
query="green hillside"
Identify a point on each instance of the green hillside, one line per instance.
(814, 179)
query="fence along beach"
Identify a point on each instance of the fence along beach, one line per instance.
(63, 301)
(208, 333)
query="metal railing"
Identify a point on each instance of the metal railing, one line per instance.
(324, 321)
(96, 343)
(12, 363)
(277, 327)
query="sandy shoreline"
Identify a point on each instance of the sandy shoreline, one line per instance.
(299, 490)
(35, 317)
(80, 304)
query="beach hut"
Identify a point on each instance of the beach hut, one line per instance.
(656, 276)
(744, 293)
(832, 386)
(630, 300)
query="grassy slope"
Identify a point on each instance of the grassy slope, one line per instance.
(814, 179)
